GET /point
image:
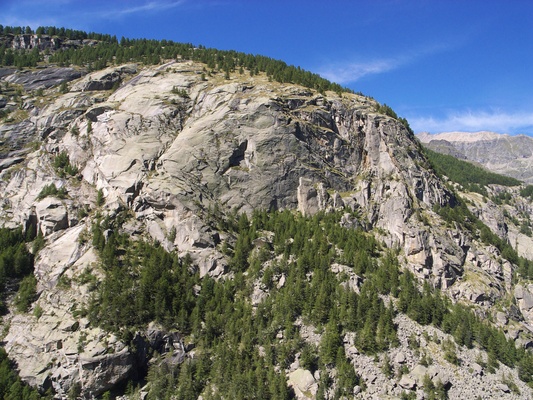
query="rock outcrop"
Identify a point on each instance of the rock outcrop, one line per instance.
(51, 215)
(303, 384)
(105, 79)
(42, 42)
(44, 78)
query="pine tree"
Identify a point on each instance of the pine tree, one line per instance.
(366, 339)
(329, 343)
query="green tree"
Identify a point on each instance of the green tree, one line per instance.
(100, 199)
(386, 367)
(330, 343)
(26, 293)
(63, 88)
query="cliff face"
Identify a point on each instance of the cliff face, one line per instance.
(169, 145)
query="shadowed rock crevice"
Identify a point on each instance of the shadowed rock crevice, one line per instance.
(237, 157)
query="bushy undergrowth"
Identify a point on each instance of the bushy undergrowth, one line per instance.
(63, 166)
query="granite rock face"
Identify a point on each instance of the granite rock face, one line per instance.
(167, 146)
(105, 79)
(51, 215)
(44, 78)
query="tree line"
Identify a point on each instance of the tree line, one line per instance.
(16, 264)
(66, 33)
(109, 51)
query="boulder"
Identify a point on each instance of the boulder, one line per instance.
(477, 370)
(503, 388)
(52, 215)
(407, 382)
(418, 373)
(351, 352)
(501, 318)
(303, 384)
(102, 373)
(400, 358)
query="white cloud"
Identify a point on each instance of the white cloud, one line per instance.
(31, 13)
(148, 6)
(69, 13)
(473, 121)
(351, 72)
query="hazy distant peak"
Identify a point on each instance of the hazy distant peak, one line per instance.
(426, 137)
(510, 155)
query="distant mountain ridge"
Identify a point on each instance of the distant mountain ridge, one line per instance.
(501, 153)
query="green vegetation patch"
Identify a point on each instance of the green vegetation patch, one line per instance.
(527, 192)
(16, 265)
(238, 345)
(52, 190)
(468, 175)
(62, 165)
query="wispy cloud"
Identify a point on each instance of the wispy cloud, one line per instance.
(345, 72)
(32, 13)
(69, 12)
(145, 7)
(353, 71)
(473, 121)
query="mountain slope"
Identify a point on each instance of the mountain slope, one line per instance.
(179, 184)
(504, 154)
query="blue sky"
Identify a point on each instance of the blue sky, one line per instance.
(449, 65)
